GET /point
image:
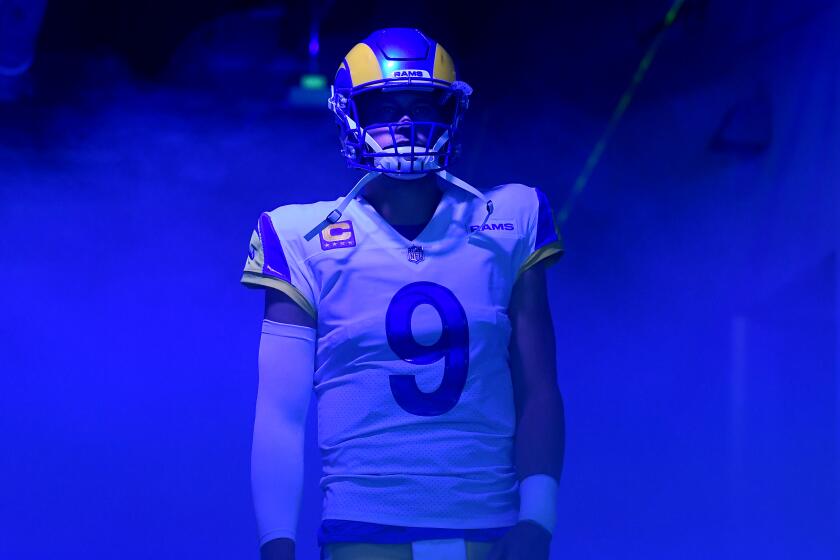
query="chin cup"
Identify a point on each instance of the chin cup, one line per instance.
(400, 166)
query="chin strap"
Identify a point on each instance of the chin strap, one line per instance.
(335, 215)
(488, 204)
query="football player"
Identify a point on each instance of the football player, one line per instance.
(416, 309)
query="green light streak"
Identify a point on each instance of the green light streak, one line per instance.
(617, 114)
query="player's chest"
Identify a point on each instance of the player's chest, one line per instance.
(373, 284)
(392, 299)
(367, 267)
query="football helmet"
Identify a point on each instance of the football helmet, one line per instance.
(390, 65)
(363, 100)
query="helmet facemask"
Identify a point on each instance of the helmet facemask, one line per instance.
(404, 131)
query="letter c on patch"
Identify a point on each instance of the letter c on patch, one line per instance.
(337, 232)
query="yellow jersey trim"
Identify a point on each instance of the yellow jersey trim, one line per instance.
(256, 279)
(553, 249)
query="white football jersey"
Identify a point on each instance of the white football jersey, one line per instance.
(415, 405)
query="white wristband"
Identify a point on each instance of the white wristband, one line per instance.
(538, 500)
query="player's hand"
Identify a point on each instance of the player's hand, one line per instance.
(527, 540)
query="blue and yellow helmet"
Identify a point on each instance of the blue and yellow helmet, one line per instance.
(398, 60)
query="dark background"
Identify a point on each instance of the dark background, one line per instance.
(696, 307)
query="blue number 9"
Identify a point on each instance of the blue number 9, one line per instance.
(453, 346)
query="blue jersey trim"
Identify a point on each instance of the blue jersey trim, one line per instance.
(545, 222)
(274, 259)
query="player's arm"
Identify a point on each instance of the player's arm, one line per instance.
(286, 365)
(280, 308)
(540, 432)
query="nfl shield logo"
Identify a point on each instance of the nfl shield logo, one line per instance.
(415, 254)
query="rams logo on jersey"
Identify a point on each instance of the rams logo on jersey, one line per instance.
(507, 226)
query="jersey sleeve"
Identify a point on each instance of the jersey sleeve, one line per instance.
(542, 242)
(275, 261)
